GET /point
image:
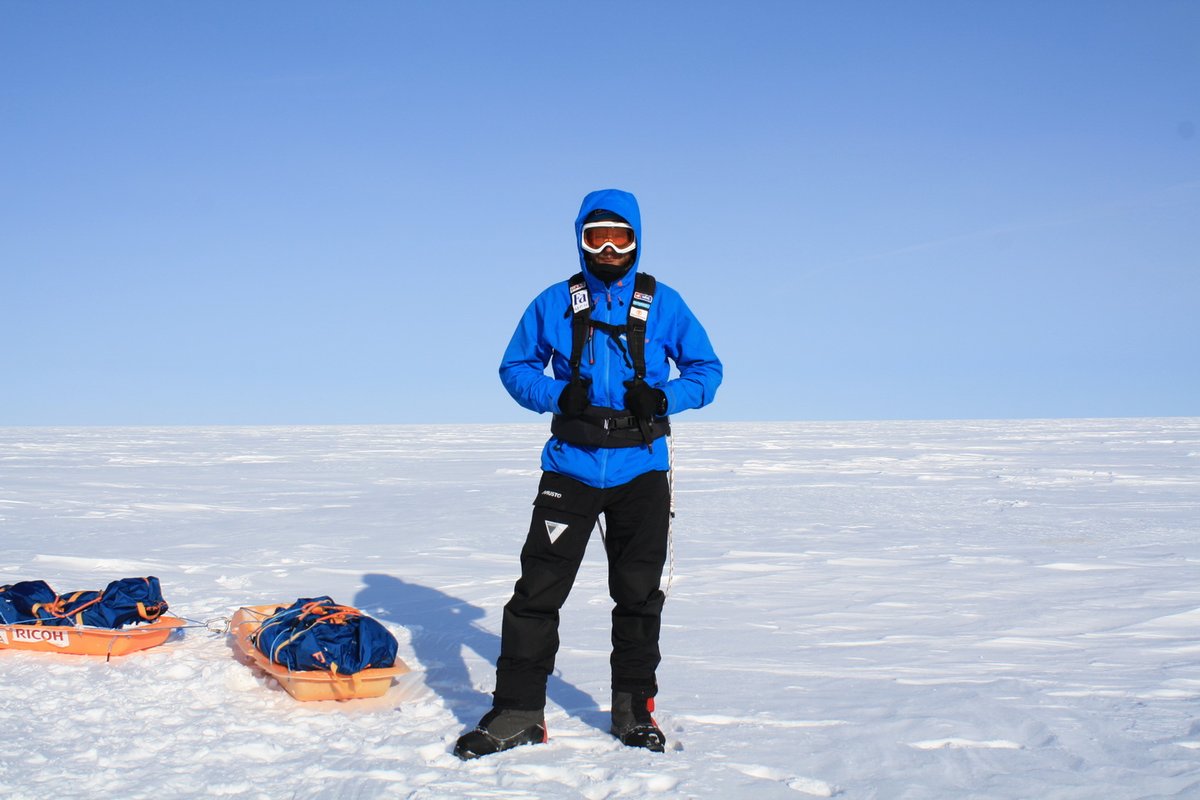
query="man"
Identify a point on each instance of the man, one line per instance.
(610, 334)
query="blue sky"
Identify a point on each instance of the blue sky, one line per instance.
(304, 212)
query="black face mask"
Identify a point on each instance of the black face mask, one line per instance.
(607, 272)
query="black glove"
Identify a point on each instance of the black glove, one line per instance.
(644, 402)
(574, 398)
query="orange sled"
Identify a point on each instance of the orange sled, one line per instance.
(315, 685)
(87, 641)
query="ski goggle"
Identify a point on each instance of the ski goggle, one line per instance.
(615, 235)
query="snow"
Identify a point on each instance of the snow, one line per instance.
(1000, 609)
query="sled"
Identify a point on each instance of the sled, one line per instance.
(87, 641)
(307, 685)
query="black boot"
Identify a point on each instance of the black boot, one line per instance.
(502, 729)
(632, 723)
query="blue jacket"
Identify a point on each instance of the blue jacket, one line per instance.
(543, 336)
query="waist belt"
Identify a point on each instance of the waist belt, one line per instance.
(607, 427)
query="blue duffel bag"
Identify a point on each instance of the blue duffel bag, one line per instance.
(122, 602)
(18, 601)
(315, 633)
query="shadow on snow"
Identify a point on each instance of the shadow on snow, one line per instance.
(441, 626)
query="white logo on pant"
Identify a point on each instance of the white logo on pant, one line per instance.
(555, 530)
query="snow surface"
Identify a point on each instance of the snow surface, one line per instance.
(863, 610)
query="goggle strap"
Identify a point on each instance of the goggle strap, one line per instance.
(587, 225)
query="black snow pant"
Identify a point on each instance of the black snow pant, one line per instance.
(637, 518)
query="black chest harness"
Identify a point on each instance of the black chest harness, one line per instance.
(598, 426)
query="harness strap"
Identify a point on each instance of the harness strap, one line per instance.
(581, 311)
(633, 350)
(606, 427)
(635, 335)
(635, 328)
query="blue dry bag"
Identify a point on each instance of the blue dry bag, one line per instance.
(315, 633)
(18, 601)
(124, 601)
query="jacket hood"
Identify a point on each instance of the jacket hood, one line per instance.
(618, 202)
